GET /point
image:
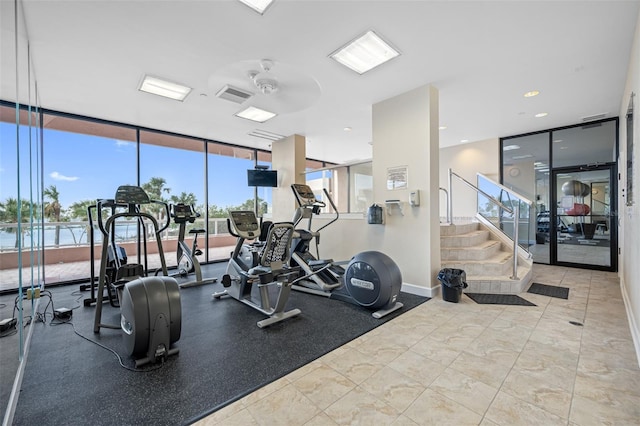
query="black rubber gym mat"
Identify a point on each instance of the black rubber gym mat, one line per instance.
(549, 290)
(223, 356)
(498, 299)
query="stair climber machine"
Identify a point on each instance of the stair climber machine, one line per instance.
(187, 256)
(150, 309)
(263, 263)
(371, 279)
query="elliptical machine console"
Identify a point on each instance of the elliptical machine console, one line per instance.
(371, 279)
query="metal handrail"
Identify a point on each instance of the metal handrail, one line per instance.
(449, 218)
(515, 211)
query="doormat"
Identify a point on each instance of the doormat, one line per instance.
(498, 299)
(549, 290)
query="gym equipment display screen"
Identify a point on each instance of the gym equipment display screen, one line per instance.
(262, 178)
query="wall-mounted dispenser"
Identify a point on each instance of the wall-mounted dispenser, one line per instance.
(374, 215)
(414, 198)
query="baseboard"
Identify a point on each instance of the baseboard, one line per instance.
(420, 290)
(633, 326)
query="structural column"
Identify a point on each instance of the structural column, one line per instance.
(288, 157)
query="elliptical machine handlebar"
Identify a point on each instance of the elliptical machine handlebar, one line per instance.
(335, 209)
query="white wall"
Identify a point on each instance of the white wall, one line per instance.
(405, 133)
(467, 160)
(629, 266)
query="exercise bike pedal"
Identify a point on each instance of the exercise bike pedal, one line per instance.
(226, 280)
(198, 252)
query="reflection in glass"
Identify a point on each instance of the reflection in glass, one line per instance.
(584, 217)
(526, 171)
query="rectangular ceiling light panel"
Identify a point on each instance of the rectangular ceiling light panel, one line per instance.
(164, 88)
(365, 53)
(259, 6)
(256, 114)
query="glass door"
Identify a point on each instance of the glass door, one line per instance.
(583, 222)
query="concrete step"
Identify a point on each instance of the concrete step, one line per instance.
(500, 284)
(467, 239)
(485, 250)
(498, 264)
(458, 228)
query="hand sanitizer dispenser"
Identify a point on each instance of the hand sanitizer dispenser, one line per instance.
(414, 198)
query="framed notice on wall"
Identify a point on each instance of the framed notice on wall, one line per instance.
(397, 177)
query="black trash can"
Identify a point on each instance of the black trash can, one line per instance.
(453, 282)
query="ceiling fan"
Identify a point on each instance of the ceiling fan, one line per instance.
(266, 84)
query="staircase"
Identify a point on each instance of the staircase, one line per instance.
(487, 261)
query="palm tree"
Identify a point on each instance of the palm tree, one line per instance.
(155, 189)
(184, 198)
(79, 210)
(9, 214)
(53, 209)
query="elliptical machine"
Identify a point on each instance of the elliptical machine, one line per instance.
(371, 279)
(187, 261)
(150, 308)
(264, 263)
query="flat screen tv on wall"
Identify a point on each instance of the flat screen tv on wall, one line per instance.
(262, 178)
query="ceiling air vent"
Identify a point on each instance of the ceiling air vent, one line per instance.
(264, 134)
(233, 94)
(594, 117)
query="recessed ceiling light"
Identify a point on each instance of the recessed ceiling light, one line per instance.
(464, 140)
(164, 88)
(564, 147)
(255, 114)
(259, 6)
(347, 129)
(511, 147)
(443, 127)
(521, 157)
(557, 140)
(531, 94)
(365, 53)
(541, 114)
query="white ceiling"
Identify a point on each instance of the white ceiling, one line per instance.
(89, 57)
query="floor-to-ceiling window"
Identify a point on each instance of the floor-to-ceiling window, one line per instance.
(228, 190)
(172, 171)
(84, 161)
(87, 159)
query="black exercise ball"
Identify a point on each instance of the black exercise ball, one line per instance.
(373, 279)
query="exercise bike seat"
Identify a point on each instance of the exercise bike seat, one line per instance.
(197, 231)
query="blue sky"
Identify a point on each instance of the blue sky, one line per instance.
(89, 167)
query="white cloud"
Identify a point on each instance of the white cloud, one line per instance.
(58, 176)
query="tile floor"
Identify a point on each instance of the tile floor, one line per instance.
(467, 364)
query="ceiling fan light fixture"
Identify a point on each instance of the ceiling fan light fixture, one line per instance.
(255, 114)
(365, 53)
(167, 89)
(259, 6)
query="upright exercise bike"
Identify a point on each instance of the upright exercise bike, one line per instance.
(371, 279)
(264, 264)
(187, 256)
